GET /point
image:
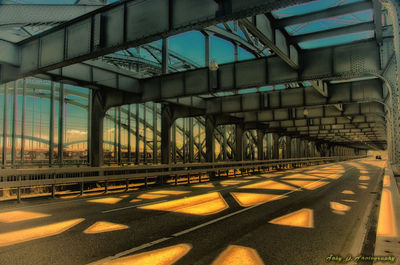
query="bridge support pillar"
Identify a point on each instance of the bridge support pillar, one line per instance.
(275, 146)
(239, 131)
(260, 144)
(96, 121)
(210, 144)
(288, 147)
(166, 124)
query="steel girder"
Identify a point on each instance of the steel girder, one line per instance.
(339, 62)
(94, 34)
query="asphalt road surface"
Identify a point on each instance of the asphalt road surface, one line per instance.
(294, 217)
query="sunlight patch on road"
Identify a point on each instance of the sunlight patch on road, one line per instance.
(238, 255)
(301, 176)
(205, 204)
(206, 185)
(249, 199)
(363, 178)
(253, 177)
(101, 227)
(269, 184)
(349, 192)
(232, 182)
(19, 236)
(363, 187)
(170, 192)
(301, 218)
(347, 200)
(309, 185)
(163, 256)
(109, 200)
(135, 200)
(339, 207)
(387, 220)
(151, 196)
(19, 216)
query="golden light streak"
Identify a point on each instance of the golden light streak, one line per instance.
(124, 196)
(101, 227)
(109, 200)
(333, 176)
(339, 206)
(151, 196)
(363, 187)
(170, 192)
(19, 216)
(348, 192)
(238, 255)
(269, 184)
(347, 200)
(271, 175)
(386, 181)
(363, 178)
(207, 185)
(252, 177)
(301, 218)
(232, 182)
(205, 204)
(387, 220)
(310, 185)
(249, 199)
(301, 176)
(163, 256)
(364, 171)
(135, 200)
(15, 237)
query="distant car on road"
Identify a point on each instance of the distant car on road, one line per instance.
(378, 157)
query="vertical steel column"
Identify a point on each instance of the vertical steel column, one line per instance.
(51, 129)
(200, 146)
(129, 134)
(260, 144)
(173, 142)
(61, 124)
(119, 136)
(144, 133)
(96, 131)
(155, 149)
(210, 144)
(288, 147)
(275, 146)
(5, 127)
(14, 125)
(239, 131)
(224, 143)
(191, 141)
(137, 135)
(184, 141)
(23, 121)
(207, 50)
(165, 57)
(166, 123)
(115, 135)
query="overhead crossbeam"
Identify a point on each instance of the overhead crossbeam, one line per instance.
(9, 53)
(342, 93)
(327, 13)
(94, 34)
(345, 61)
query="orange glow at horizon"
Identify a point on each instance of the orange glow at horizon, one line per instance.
(101, 227)
(163, 256)
(19, 236)
(238, 255)
(387, 219)
(301, 218)
(205, 204)
(249, 199)
(19, 216)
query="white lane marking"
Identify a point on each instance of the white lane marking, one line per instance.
(132, 206)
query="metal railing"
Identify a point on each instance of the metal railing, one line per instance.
(18, 178)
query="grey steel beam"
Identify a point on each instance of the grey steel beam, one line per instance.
(166, 123)
(5, 128)
(377, 9)
(23, 121)
(17, 15)
(137, 144)
(129, 129)
(98, 113)
(367, 26)
(9, 53)
(327, 13)
(96, 34)
(51, 124)
(165, 56)
(155, 147)
(119, 136)
(342, 93)
(144, 134)
(339, 63)
(14, 125)
(61, 124)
